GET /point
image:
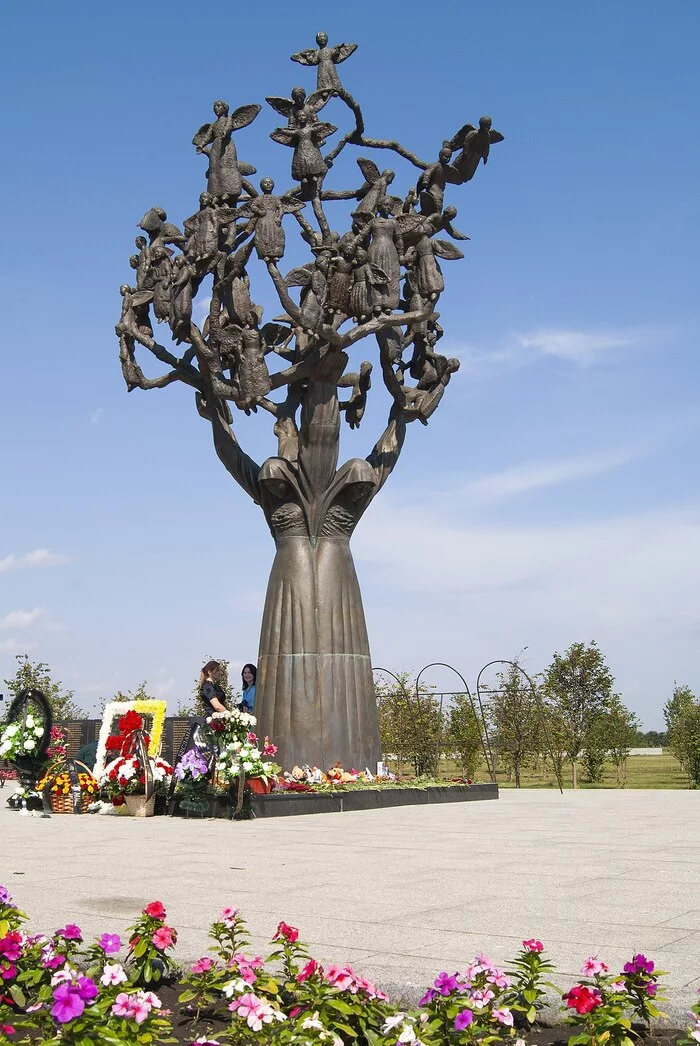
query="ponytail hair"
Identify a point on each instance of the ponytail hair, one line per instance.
(210, 667)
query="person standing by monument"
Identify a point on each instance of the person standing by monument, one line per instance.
(248, 676)
(211, 693)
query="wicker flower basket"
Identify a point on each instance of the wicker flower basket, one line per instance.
(138, 807)
(63, 804)
(62, 801)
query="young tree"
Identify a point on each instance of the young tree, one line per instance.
(516, 719)
(579, 685)
(676, 712)
(376, 281)
(411, 726)
(37, 676)
(463, 735)
(621, 733)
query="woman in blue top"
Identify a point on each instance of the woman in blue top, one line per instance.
(248, 676)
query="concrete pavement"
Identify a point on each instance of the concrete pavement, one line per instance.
(400, 893)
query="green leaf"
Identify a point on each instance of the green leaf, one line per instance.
(341, 1006)
(531, 1015)
(187, 996)
(18, 995)
(530, 995)
(140, 948)
(579, 1040)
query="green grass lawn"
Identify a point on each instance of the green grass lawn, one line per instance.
(643, 771)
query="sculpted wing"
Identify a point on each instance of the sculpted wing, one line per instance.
(446, 250)
(309, 57)
(369, 169)
(317, 100)
(458, 141)
(322, 131)
(283, 106)
(343, 51)
(202, 136)
(244, 115)
(284, 136)
(495, 137)
(299, 277)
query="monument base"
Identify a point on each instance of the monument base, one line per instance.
(281, 804)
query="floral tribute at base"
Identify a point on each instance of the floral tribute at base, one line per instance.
(63, 990)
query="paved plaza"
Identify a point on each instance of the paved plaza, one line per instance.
(400, 893)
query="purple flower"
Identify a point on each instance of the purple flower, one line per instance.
(87, 989)
(110, 943)
(8, 970)
(5, 896)
(643, 964)
(70, 932)
(428, 997)
(463, 1020)
(67, 1003)
(652, 988)
(446, 983)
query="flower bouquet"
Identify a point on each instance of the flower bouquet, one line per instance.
(22, 740)
(60, 784)
(191, 774)
(254, 760)
(124, 779)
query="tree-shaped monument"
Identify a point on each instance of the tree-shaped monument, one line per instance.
(381, 280)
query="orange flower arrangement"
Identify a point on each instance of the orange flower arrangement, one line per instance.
(61, 783)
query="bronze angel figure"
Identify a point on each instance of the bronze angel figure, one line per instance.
(215, 140)
(475, 145)
(300, 108)
(326, 58)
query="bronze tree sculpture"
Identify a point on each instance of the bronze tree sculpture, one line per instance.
(381, 278)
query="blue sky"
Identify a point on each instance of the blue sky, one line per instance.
(553, 497)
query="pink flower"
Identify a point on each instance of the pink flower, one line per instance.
(287, 933)
(62, 976)
(71, 932)
(228, 917)
(593, 966)
(251, 737)
(110, 943)
(8, 970)
(308, 971)
(269, 748)
(481, 997)
(504, 1016)
(67, 1003)
(155, 909)
(202, 965)
(339, 978)
(11, 946)
(163, 937)
(463, 1020)
(533, 945)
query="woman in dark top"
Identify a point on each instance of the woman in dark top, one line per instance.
(210, 692)
(248, 676)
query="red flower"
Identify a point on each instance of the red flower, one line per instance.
(155, 909)
(118, 800)
(308, 971)
(114, 743)
(130, 721)
(288, 933)
(533, 945)
(583, 999)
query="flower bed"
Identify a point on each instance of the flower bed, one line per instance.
(61, 990)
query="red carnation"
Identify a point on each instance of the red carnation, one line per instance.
(130, 721)
(155, 909)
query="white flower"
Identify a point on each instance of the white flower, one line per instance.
(113, 974)
(29, 744)
(247, 765)
(408, 1034)
(30, 721)
(312, 1022)
(391, 1022)
(12, 729)
(237, 987)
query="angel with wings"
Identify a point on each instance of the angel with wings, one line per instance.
(265, 215)
(431, 184)
(160, 231)
(429, 281)
(475, 145)
(299, 106)
(375, 186)
(326, 58)
(215, 140)
(313, 279)
(307, 163)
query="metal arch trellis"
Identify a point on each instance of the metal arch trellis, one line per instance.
(538, 702)
(485, 740)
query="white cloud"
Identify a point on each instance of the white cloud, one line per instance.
(465, 593)
(582, 347)
(535, 475)
(8, 644)
(40, 557)
(17, 646)
(96, 415)
(20, 618)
